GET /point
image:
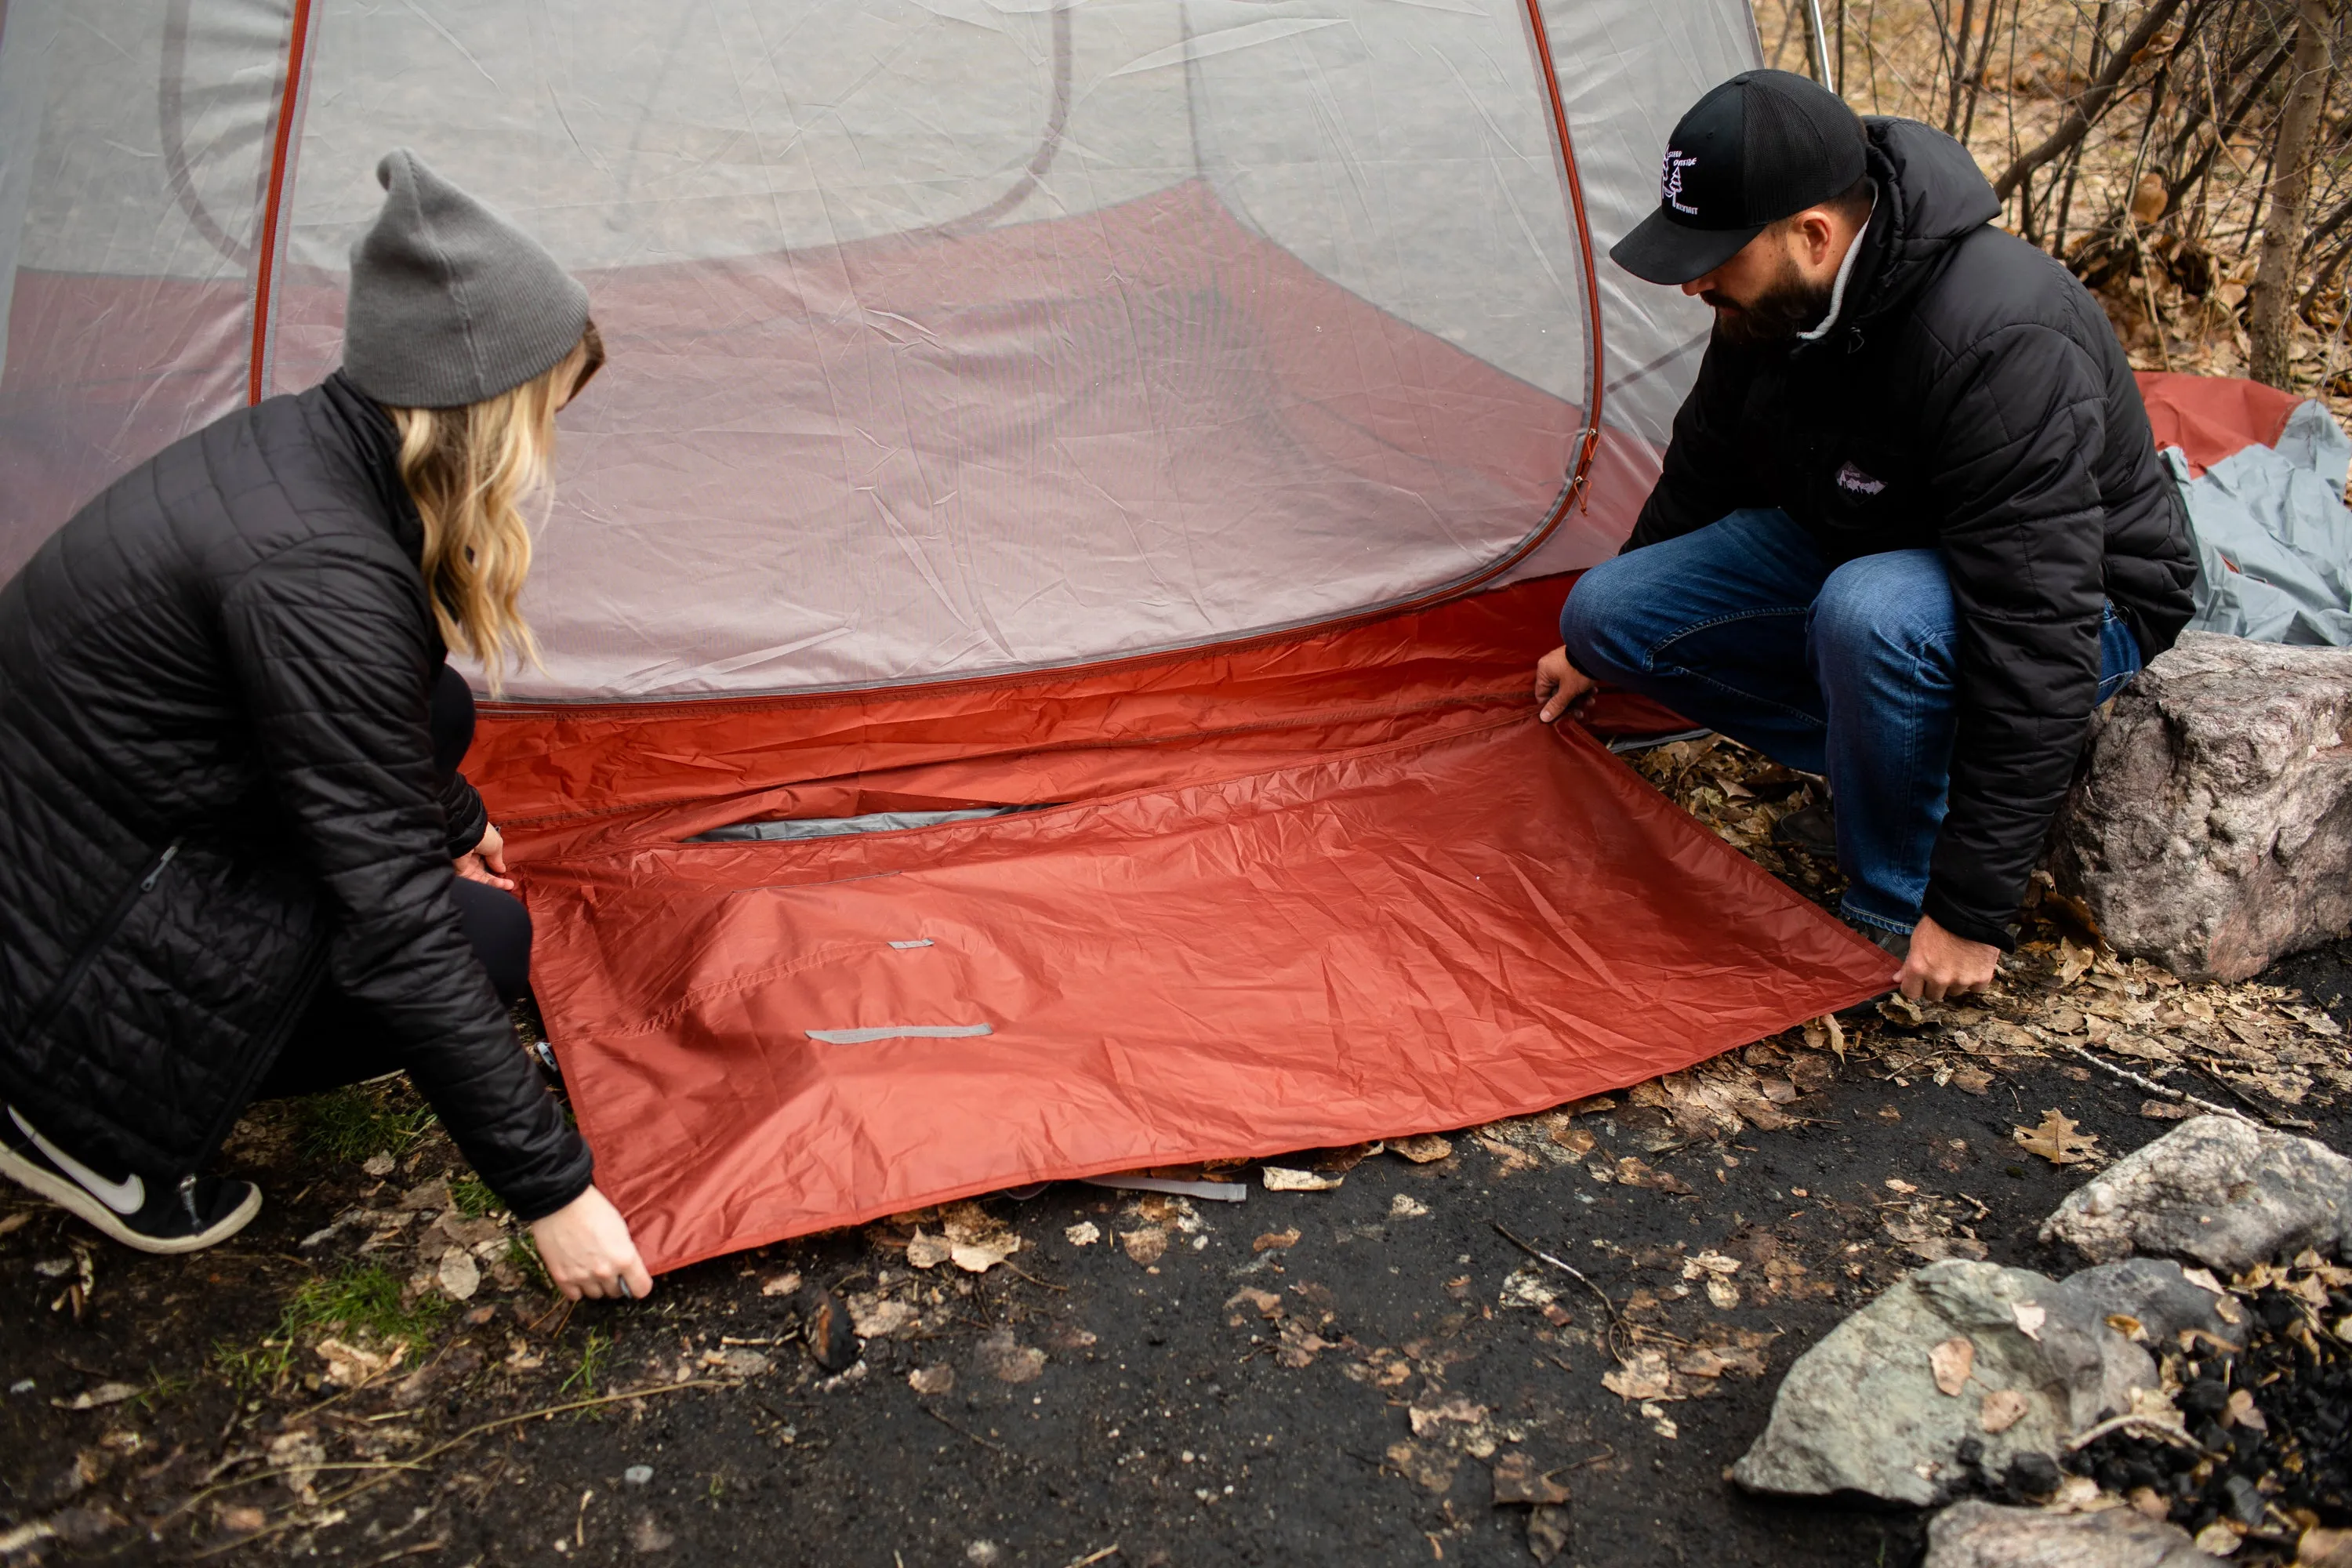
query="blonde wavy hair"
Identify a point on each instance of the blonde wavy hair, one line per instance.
(471, 470)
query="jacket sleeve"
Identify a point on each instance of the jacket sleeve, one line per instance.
(1701, 477)
(2024, 541)
(327, 641)
(466, 816)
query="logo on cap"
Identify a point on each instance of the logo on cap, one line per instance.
(1670, 181)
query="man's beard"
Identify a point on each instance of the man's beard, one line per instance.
(1788, 305)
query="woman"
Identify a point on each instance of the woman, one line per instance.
(235, 856)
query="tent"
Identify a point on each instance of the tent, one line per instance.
(1039, 607)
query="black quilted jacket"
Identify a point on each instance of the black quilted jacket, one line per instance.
(217, 790)
(1971, 397)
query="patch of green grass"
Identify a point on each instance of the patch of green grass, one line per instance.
(361, 1120)
(474, 1198)
(592, 1356)
(358, 1300)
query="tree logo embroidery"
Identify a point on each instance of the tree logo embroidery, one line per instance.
(1670, 181)
(1853, 478)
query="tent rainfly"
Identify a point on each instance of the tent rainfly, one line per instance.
(1038, 609)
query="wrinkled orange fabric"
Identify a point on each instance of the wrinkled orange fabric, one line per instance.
(1313, 891)
(2211, 417)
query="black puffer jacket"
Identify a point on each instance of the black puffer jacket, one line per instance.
(217, 789)
(1974, 399)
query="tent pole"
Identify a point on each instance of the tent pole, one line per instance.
(1822, 71)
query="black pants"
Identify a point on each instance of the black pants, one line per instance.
(338, 1041)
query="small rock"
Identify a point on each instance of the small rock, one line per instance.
(1976, 1534)
(832, 1341)
(933, 1379)
(1861, 1410)
(2209, 832)
(638, 1475)
(984, 1554)
(648, 1535)
(2224, 1192)
(1406, 1206)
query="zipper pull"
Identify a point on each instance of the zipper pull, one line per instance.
(147, 883)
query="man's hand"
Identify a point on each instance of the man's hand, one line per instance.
(487, 862)
(1560, 684)
(1942, 964)
(586, 1247)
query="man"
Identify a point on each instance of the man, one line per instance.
(1911, 528)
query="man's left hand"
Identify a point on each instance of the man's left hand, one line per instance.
(1942, 964)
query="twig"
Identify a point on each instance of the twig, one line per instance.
(394, 1467)
(1570, 1270)
(2243, 1098)
(414, 1549)
(959, 1431)
(2147, 1425)
(2152, 1086)
(1041, 1285)
(1093, 1557)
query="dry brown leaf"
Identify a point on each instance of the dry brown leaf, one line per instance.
(2166, 1111)
(2241, 1412)
(1147, 1245)
(1281, 1179)
(1276, 1240)
(1575, 1139)
(1421, 1148)
(1267, 1302)
(1516, 1480)
(2002, 1409)
(927, 1251)
(1951, 1363)
(2056, 1140)
(1431, 1471)
(933, 1379)
(2030, 1316)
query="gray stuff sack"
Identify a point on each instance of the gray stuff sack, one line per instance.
(2273, 538)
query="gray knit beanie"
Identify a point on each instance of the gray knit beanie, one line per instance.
(450, 303)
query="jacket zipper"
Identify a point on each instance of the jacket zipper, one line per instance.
(54, 1002)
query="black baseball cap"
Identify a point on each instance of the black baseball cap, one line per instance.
(1754, 149)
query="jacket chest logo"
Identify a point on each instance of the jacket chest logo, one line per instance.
(1854, 480)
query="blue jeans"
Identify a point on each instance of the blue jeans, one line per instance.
(1846, 672)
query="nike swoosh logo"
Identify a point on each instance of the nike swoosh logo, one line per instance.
(127, 1196)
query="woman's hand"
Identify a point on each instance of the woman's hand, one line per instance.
(1560, 684)
(586, 1247)
(487, 862)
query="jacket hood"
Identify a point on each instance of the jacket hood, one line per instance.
(1931, 195)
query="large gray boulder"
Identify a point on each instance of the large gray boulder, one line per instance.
(2211, 832)
(1976, 1534)
(2215, 1190)
(1862, 1411)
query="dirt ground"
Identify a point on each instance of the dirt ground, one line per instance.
(1347, 1392)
